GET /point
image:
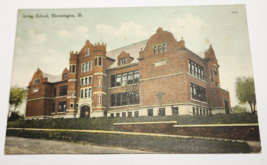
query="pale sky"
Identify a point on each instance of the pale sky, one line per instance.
(45, 43)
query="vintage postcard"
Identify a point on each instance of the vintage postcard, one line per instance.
(132, 80)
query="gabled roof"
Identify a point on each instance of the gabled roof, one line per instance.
(132, 49)
(52, 78)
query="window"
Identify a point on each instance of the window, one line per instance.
(113, 97)
(159, 48)
(62, 106)
(175, 111)
(155, 50)
(117, 114)
(36, 81)
(200, 111)
(126, 98)
(73, 68)
(136, 76)
(164, 47)
(63, 91)
(150, 112)
(194, 111)
(125, 79)
(215, 71)
(53, 107)
(82, 82)
(100, 61)
(217, 84)
(112, 115)
(198, 92)
(90, 65)
(82, 93)
(86, 66)
(118, 80)
(130, 78)
(136, 113)
(195, 69)
(123, 114)
(161, 111)
(99, 81)
(86, 80)
(90, 92)
(85, 93)
(204, 112)
(123, 61)
(55, 92)
(71, 105)
(90, 80)
(95, 61)
(197, 112)
(87, 52)
(113, 81)
(130, 114)
(65, 75)
(70, 69)
(207, 112)
(211, 76)
(83, 69)
(99, 99)
(118, 99)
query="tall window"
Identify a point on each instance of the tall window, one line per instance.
(117, 114)
(86, 66)
(130, 114)
(159, 48)
(113, 80)
(63, 91)
(83, 69)
(113, 100)
(130, 78)
(95, 61)
(197, 112)
(85, 93)
(164, 47)
(86, 80)
(87, 52)
(194, 111)
(215, 71)
(54, 108)
(123, 114)
(196, 69)
(82, 93)
(136, 113)
(90, 65)
(99, 99)
(90, 92)
(100, 61)
(70, 69)
(118, 80)
(211, 76)
(55, 92)
(73, 68)
(198, 92)
(155, 50)
(90, 80)
(82, 83)
(62, 106)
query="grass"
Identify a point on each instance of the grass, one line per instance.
(107, 123)
(140, 142)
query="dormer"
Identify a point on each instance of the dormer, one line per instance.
(65, 74)
(124, 58)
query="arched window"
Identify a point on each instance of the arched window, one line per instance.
(85, 80)
(90, 80)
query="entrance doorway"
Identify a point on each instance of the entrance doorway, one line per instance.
(226, 105)
(85, 111)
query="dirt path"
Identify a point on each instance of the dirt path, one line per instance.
(16, 145)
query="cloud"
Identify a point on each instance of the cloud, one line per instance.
(37, 38)
(125, 29)
(77, 32)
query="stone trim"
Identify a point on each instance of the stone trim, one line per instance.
(156, 122)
